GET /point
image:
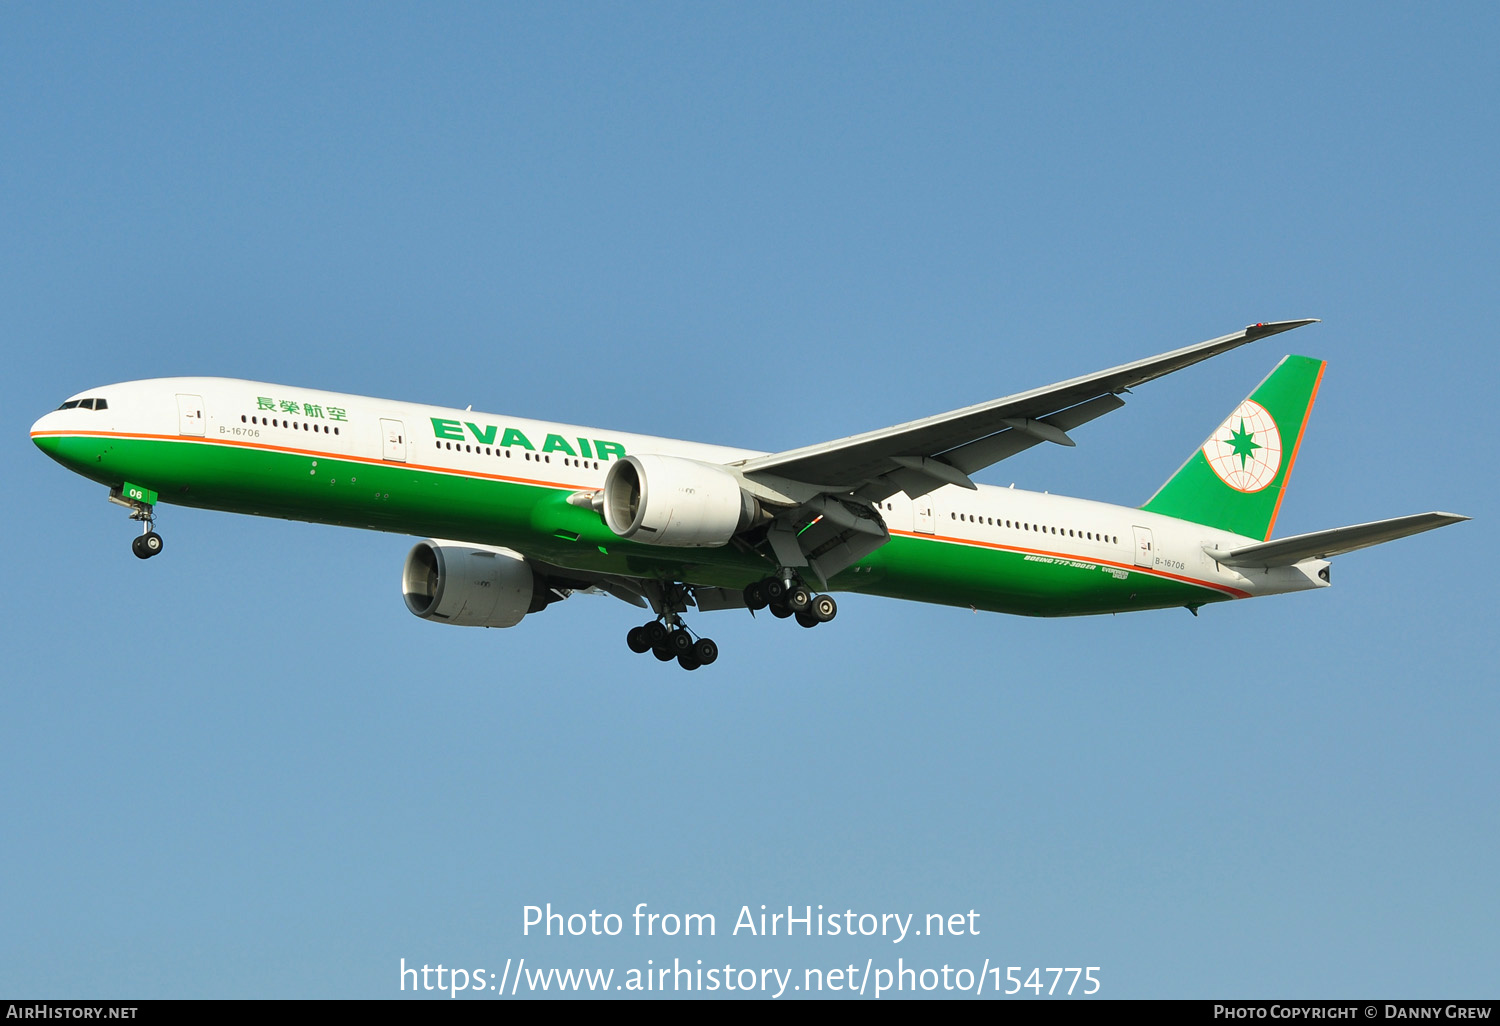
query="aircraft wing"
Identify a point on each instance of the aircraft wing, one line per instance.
(922, 455)
(1322, 544)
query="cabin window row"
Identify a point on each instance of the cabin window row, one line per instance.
(1066, 532)
(486, 450)
(481, 451)
(278, 422)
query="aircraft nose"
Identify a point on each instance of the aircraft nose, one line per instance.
(43, 424)
(44, 433)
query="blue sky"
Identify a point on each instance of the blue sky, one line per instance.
(243, 769)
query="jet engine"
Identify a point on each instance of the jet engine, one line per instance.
(470, 585)
(668, 500)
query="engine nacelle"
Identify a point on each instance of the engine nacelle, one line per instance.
(469, 585)
(668, 500)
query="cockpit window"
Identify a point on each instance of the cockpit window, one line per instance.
(101, 404)
(70, 404)
(85, 404)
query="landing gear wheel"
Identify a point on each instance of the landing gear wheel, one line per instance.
(807, 619)
(798, 599)
(824, 608)
(679, 642)
(146, 545)
(687, 661)
(773, 590)
(755, 597)
(664, 653)
(780, 611)
(705, 651)
(656, 632)
(637, 640)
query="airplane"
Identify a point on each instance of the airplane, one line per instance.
(522, 513)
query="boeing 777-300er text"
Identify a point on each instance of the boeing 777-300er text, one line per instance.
(523, 513)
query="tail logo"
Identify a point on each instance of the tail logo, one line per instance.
(1246, 449)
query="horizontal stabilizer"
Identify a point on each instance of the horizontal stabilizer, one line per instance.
(1322, 544)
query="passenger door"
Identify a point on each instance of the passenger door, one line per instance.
(1144, 556)
(190, 419)
(393, 440)
(922, 518)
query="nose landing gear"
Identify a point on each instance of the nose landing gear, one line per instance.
(148, 543)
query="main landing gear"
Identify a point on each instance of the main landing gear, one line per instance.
(790, 598)
(672, 642)
(668, 638)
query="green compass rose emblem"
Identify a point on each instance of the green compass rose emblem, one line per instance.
(1245, 452)
(1243, 443)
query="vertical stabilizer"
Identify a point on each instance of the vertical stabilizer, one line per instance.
(1236, 479)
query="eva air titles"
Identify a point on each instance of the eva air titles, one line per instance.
(490, 434)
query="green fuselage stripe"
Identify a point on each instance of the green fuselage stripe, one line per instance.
(534, 518)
